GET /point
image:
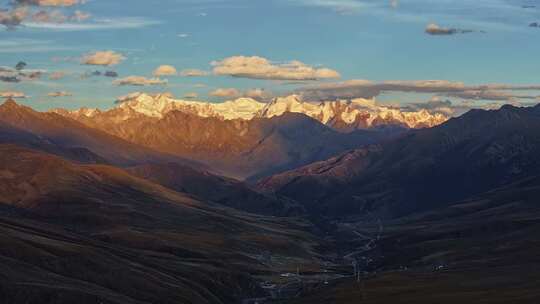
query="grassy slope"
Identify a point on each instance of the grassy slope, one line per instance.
(91, 232)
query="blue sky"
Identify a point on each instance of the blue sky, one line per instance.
(376, 40)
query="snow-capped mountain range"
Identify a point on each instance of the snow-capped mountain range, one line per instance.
(341, 114)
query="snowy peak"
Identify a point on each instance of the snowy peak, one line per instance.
(242, 108)
(77, 114)
(159, 105)
(153, 106)
(343, 115)
(293, 103)
(356, 113)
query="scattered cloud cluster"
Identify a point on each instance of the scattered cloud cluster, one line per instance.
(11, 18)
(367, 89)
(40, 12)
(256, 67)
(57, 16)
(18, 74)
(103, 58)
(139, 81)
(51, 12)
(96, 73)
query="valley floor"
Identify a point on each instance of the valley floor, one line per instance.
(505, 284)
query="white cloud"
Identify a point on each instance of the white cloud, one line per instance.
(80, 16)
(488, 94)
(58, 17)
(226, 93)
(368, 89)
(96, 24)
(435, 29)
(57, 75)
(191, 95)
(139, 81)
(55, 16)
(341, 6)
(231, 93)
(23, 45)
(193, 73)
(259, 94)
(12, 94)
(261, 68)
(105, 58)
(165, 70)
(127, 97)
(60, 94)
(63, 3)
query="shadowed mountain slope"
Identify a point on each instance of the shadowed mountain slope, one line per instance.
(64, 137)
(212, 188)
(484, 249)
(244, 149)
(95, 233)
(13, 135)
(421, 170)
(50, 131)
